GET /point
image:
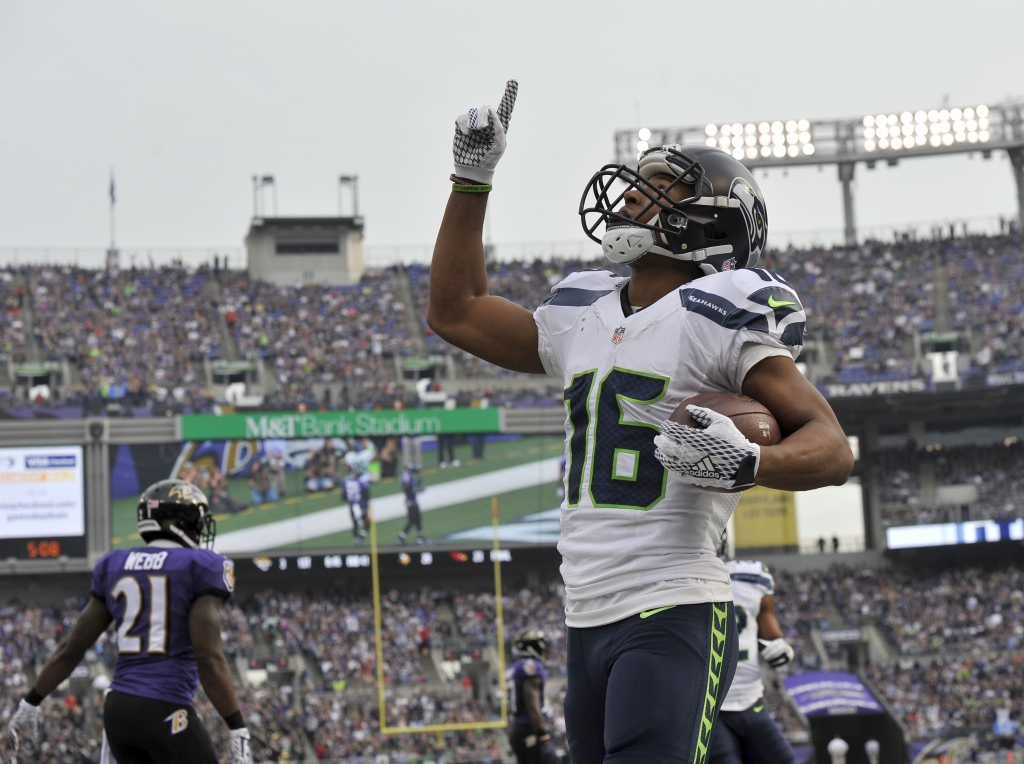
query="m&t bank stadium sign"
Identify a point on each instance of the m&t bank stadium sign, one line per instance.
(338, 424)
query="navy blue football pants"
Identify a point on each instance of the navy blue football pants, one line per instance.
(749, 737)
(648, 689)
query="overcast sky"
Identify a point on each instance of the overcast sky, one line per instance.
(186, 100)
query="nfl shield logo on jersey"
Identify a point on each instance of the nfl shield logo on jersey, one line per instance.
(617, 335)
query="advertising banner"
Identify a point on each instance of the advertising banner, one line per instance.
(41, 492)
(765, 519)
(831, 693)
(339, 424)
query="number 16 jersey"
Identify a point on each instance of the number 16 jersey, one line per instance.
(631, 539)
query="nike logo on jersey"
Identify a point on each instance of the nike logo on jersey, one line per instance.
(758, 708)
(773, 303)
(649, 613)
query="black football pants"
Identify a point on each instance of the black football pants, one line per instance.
(749, 737)
(149, 731)
(648, 689)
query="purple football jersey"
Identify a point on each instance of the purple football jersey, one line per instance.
(521, 670)
(149, 592)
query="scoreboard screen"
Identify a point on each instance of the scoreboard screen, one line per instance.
(42, 502)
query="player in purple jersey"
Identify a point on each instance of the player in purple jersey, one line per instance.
(527, 734)
(164, 600)
(412, 487)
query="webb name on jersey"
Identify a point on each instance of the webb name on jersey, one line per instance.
(631, 539)
(751, 581)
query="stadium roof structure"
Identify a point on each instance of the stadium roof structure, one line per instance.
(887, 137)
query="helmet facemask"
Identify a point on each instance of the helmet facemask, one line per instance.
(703, 228)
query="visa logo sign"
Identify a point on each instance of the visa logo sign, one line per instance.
(48, 462)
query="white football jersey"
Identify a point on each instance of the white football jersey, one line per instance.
(750, 582)
(631, 538)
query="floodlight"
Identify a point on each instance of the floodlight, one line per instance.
(644, 134)
(906, 118)
(776, 127)
(737, 141)
(921, 130)
(766, 151)
(961, 137)
(792, 138)
(881, 119)
(750, 128)
(882, 132)
(778, 139)
(869, 121)
(711, 130)
(808, 148)
(947, 139)
(921, 140)
(764, 127)
(935, 140)
(805, 137)
(780, 151)
(791, 126)
(750, 140)
(737, 128)
(751, 153)
(883, 143)
(869, 145)
(897, 143)
(972, 124)
(737, 153)
(933, 115)
(803, 125)
(959, 126)
(907, 129)
(642, 146)
(869, 132)
(711, 142)
(764, 139)
(982, 123)
(968, 113)
(920, 117)
(955, 114)
(724, 143)
(972, 137)
(982, 111)
(944, 115)
(983, 136)
(726, 129)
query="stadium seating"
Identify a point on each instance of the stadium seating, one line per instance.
(997, 471)
(960, 635)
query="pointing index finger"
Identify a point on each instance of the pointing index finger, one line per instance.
(508, 101)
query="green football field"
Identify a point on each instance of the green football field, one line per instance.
(436, 523)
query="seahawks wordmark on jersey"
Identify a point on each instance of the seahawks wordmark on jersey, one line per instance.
(751, 581)
(631, 539)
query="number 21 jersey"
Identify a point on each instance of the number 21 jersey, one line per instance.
(149, 591)
(631, 539)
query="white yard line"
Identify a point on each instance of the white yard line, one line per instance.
(337, 519)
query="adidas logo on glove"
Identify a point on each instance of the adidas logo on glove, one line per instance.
(704, 469)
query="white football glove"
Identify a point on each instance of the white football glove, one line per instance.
(480, 137)
(24, 725)
(240, 749)
(717, 456)
(776, 652)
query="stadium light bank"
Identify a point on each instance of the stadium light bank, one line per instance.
(887, 137)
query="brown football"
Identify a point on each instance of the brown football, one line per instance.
(750, 417)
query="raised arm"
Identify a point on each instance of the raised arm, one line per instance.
(460, 309)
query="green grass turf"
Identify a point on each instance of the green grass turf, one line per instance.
(497, 456)
(439, 523)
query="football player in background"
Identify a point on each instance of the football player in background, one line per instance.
(356, 490)
(651, 635)
(745, 733)
(164, 600)
(412, 487)
(527, 733)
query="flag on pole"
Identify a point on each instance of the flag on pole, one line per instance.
(113, 198)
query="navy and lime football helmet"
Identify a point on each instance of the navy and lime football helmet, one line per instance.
(721, 223)
(531, 643)
(178, 511)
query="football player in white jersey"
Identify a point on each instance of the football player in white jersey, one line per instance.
(651, 638)
(744, 732)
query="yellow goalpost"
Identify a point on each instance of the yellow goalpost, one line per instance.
(439, 728)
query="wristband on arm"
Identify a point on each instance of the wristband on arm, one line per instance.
(235, 721)
(33, 698)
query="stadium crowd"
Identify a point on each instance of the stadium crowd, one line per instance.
(142, 334)
(996, 470)
(961, 634)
